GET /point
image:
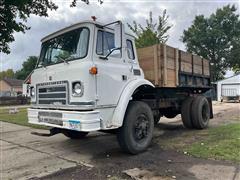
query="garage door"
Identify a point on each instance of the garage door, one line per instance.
(230, 90)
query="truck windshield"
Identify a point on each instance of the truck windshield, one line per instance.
(68, 46)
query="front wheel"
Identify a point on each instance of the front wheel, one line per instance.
(136, 133)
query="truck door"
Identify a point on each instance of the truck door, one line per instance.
(113, 73)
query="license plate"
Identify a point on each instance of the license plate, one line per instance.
(74, 124)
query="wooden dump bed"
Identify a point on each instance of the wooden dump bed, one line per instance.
(166, 66)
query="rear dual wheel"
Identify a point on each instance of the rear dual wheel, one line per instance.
(195, 112)
(186, 113)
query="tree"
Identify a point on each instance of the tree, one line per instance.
(27, 67)
(152, 33)
(216, 38)
(9, 73)
(74, 2)
(235, 56)
(14, 15)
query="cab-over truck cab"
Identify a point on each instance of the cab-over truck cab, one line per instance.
(87, 79)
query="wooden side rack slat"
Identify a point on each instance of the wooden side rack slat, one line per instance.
(166, 66)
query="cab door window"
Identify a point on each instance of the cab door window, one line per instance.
(105, 43)
(130, 50)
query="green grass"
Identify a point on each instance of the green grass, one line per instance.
(18, 118)
(222, 143)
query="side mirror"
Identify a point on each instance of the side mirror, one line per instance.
(118, 35)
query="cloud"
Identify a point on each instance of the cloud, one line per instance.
(181, 14)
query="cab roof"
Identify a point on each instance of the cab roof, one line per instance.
(72, 27)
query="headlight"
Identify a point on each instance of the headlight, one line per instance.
(77, 89)
(32, 91)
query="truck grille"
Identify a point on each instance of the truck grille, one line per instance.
(52, 93)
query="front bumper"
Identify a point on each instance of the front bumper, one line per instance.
(73, 120)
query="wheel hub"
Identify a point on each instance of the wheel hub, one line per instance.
(141, 127)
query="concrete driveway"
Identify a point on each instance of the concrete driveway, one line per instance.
(24, 155)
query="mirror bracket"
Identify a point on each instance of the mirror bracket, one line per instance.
(106, 57)
(103, 58)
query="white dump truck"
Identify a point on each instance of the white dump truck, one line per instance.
(90, 77)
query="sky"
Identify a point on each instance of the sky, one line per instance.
(181, 14)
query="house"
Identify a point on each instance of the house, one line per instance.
(229, 88)
(10, 87)
(26, 85)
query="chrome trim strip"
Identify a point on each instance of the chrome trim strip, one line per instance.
(81, 106)
(83, 103)
(52, 99)
(106, 106)
(55, 92)
(62, 107)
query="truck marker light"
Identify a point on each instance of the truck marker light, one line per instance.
(93, 70)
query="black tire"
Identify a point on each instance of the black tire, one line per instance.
(75, 134)
(186, 113)
(200, 112)
(136, 133)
